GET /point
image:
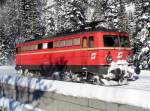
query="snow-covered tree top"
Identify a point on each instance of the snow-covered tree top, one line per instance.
(130, 8)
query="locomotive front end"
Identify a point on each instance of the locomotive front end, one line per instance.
(118, 57)
(117, 48)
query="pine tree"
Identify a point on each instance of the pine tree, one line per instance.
(142, 34)
(50, 17)
(66, 16)
(73, 15)
(30, 18)
(8, 32)
(2, 40)
(111, 13)
(2, 2)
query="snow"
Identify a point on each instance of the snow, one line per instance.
(137, 93)
(5, 70)
(15, 105)
(127, 71)
(130, 8)
(145, 16)
(90, 12)
(50, 2)
(145, 49)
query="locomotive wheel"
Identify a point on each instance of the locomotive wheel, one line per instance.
(38, 73)
(20, 71)
(26, 72)
(55, 76)
(96, 80)
(67, 76)
(122, 82)
(137, 70)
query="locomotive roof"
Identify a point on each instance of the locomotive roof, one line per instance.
(60, 35)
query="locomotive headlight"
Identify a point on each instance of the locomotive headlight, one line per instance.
(130, 58)
(109, 59)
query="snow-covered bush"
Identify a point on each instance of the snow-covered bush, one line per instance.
(120, 71)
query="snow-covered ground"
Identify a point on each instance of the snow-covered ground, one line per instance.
(143, 83)
(12, 105)
(136, 93)
(7, 70)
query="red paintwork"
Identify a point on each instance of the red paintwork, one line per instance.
(76, 54)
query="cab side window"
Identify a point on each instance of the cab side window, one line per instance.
(84, 42)
(91, 42)
(111, 41)
(18, 50)
(45, 45)
(50, 45)
(40, 46)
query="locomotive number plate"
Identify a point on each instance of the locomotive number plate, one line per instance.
(93, 56)
(120, 55)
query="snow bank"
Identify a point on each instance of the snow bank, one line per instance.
(12, 105)
(145, 73)
(125, 70)
(119, 95)
(5, 70)
(122, 94)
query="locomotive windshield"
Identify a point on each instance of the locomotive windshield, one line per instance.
(111, 41)
(124, 41)
(114, 40)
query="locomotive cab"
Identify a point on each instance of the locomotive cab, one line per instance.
(117, 48)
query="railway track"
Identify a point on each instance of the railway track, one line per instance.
(119, 73)
(78, 78)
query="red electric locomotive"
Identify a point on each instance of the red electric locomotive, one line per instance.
(90, 50)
